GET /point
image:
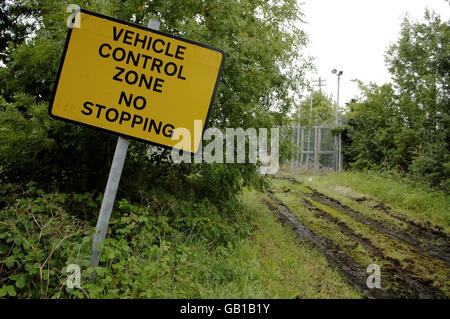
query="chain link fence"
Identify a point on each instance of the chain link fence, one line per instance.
(314, 148)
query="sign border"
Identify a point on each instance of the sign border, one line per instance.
(61, 64)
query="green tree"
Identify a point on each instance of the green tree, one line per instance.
(322, 108)
(420, 65)
(372, 125)
(406, 125)
(15, 25)
(260, 39)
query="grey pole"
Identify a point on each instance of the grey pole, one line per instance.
(108, 200)
(309, 131)
(337, 140)
(337, 122)
(111, 188)
(337, 100)
(302, 146)
(336, 144)
(298, 134)
(292, 159)
(316, 147)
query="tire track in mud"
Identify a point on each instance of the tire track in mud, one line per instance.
(430, 232)
(407, 286)
(354, 273)
(392, 271)
(424, 247)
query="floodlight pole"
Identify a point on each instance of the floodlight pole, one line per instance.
(337, 140)
(111, 189)
(309, 129)
(298, 133)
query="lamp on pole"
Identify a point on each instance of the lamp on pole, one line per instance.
(337, 142)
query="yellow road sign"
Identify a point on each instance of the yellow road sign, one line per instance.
(134, 81)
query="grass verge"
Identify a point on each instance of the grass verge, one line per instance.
(290, 268)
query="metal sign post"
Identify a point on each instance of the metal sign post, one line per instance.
(108, 200)
(135, 81)
(111, 188)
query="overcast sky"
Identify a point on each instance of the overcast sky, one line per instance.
(353, 35)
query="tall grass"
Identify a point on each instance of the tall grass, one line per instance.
(418, 200)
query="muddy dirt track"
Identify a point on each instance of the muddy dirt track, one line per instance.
(427, 248)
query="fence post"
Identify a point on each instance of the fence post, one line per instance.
(341, 159)
(297, 144)
(316, 147)
(302, 146)
(292, 158)
(308, 155)
(319, 140)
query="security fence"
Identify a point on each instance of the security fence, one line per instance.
(314, 148)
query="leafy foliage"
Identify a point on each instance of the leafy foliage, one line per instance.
(36, 239)
(14, 25)
(176, 222)
(322, 109)
(405, 126)
(259, 40)
(149, 247)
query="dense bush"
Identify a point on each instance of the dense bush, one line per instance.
(175, 222)
(253, 92)
(37, 238)
(405, 125)
(148, 249)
